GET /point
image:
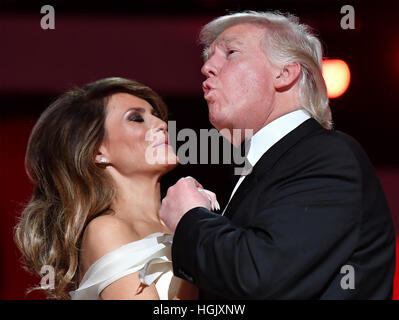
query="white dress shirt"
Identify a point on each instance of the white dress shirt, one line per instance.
(270, 134)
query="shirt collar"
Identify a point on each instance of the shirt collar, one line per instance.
(266, 137)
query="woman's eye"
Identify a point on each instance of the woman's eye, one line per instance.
(136, 118)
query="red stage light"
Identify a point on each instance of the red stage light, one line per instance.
(337, 76)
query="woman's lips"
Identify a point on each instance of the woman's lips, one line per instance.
(162, 143)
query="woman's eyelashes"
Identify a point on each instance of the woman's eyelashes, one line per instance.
(136, 117)
(140, 115)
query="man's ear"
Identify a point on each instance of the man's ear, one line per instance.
(287, 77)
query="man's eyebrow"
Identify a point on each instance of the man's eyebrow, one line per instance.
(228, 40)
(219, 42)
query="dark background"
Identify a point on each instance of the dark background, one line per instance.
(155, 42)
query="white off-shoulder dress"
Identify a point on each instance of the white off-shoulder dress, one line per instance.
(150, 257)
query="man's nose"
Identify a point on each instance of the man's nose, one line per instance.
(209, 69)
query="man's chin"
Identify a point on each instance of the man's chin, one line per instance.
(215, 118)
(218, 121)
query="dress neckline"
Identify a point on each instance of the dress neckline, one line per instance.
(155, 238)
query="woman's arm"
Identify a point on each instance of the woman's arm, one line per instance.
(129, 288)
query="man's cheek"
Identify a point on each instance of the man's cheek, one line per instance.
(236, 88)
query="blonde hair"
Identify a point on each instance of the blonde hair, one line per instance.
(69, 188)
(285, 41)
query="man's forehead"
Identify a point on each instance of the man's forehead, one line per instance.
(241, 34)
(238, 33)
(229, 39)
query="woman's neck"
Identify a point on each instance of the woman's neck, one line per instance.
(138, 199)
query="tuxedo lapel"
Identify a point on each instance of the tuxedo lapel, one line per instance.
(269, 158)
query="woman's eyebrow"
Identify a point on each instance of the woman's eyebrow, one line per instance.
(135, 109)
(142, 110)
(138, 109)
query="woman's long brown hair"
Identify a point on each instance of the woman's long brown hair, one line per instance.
(69, 189)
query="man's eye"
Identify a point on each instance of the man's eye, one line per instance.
(136, 118)
(229, 52)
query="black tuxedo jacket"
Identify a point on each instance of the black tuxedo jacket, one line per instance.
(311, 207)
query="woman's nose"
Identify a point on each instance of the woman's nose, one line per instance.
(162, 126)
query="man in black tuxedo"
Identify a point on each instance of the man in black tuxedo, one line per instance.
(309, 220)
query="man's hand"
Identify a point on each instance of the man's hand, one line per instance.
(185, 195)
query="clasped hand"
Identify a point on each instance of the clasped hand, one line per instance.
(185, 195)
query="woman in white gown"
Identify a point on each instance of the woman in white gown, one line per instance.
(96, 157)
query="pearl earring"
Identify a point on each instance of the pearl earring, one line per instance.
(103, 160)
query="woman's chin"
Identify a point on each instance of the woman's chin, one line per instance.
(162, 156)
(167, 166)
(169, 162)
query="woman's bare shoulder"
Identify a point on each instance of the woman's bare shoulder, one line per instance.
(102, 235)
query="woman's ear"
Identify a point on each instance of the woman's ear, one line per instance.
(288, 76)
(101, 157)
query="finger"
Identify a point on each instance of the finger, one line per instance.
(217, 205)
(208, 197)
(196, 183)
(203, 191)
(212, 198)
(210, 194)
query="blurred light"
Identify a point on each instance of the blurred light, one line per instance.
(337, 76)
